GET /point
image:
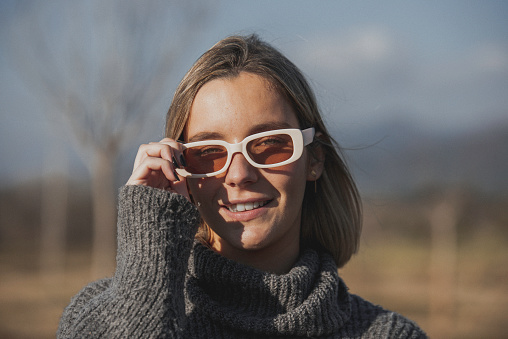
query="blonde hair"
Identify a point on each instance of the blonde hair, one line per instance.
(331, 210)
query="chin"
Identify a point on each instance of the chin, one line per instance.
(253, 243)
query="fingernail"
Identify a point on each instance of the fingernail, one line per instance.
(174, 162)
(176, 175)
(182, 160)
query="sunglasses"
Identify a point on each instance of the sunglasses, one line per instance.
(262, 150)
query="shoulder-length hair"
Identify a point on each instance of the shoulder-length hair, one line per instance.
(331, 211)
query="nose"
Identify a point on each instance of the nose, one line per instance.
(240, 172)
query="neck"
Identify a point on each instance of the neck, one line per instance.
(273, 259)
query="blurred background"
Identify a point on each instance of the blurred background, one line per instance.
(416, 92)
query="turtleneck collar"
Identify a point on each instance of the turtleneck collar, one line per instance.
(310, 300)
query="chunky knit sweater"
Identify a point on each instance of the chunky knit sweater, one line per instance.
(167, 285)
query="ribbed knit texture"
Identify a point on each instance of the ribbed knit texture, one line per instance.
(168, 286)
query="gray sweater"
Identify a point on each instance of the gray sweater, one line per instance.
(167, 285)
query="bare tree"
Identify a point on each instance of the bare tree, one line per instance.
(103, 67)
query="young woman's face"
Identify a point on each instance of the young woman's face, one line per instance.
(231, 109)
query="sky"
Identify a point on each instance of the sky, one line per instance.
(439, 65)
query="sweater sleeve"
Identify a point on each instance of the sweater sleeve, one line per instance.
(145, 297)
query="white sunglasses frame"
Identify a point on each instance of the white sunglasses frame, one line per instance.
(301, 138)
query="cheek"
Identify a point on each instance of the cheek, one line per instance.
(293, 184)
(203, 191)
(295, 188)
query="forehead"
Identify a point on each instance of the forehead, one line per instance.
(232, 108)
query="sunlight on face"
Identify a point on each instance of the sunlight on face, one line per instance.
(248, 209)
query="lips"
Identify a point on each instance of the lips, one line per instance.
(248, 206)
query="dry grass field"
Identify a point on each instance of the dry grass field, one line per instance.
(392, 273)
(397, 275)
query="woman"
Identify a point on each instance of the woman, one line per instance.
(234, 225)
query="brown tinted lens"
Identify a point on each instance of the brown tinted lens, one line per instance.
(271, 149)
(205, 159)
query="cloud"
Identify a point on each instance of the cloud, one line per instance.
(350, 52)
(370, 59)
(491, 57)
(375, 55)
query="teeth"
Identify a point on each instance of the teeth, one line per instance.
(247, 206)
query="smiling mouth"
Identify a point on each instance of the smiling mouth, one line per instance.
(248, 206)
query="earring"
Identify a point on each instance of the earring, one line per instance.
(314, 174)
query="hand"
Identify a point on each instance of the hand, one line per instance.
(155, 167)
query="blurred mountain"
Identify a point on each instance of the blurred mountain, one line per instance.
(398, 156)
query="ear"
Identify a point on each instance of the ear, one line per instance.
(316, 162)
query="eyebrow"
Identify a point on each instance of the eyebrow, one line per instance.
(206, 136)
(269, 127)
(256, 129)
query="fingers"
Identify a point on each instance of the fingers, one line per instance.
(155, 165)
(154, 172)
(166, 149)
